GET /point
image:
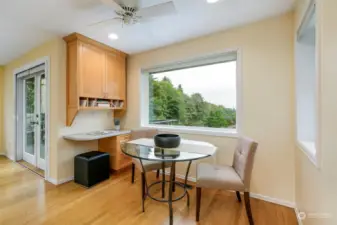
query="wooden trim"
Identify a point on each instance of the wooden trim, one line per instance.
(76, 36)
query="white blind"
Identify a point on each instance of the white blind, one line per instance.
(200, 61)
(37, 69)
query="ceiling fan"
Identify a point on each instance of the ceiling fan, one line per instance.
(129, 12)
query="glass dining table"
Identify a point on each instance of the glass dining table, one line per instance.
(188, 151)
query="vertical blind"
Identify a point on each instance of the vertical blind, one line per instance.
(31, 71)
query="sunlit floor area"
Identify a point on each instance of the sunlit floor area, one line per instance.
(31, 167)
(27, 199)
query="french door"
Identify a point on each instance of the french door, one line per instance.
(34, 110)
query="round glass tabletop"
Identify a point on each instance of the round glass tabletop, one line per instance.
(159, 154)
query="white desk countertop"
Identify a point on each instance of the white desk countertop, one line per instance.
(95, 135)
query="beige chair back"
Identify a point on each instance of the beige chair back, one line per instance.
(143, 133)
(244, 159)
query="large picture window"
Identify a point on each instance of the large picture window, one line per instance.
(200, 95)
(307, 84)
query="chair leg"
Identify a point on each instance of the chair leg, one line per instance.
(248, 209)
(174, 180)
(157, 176)
(133, 173)
(143, 191)
(238, 196)
(163, 181)
(197, 213)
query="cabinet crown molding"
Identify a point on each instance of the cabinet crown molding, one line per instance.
(79, 37)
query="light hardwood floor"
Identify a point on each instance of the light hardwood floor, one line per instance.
(31, 167)
(25, 198)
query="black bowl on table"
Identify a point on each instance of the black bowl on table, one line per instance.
(167, 140)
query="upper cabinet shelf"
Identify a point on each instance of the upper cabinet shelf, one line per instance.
(95, 73)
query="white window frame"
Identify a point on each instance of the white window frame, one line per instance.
(311, 148)
(223, 56)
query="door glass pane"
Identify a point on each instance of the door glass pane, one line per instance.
(30, 115)
(43, 101)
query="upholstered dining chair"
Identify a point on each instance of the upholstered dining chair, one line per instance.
(236, 177)
(148, 165)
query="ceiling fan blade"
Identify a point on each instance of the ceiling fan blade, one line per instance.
(113, 4)
(111, 21)
(128, 3)
(164, 9)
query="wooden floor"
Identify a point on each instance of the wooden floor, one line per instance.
(31, 167)
(25, 198)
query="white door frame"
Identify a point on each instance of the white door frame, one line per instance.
(40, 163)
(44, 60)
(32, 159)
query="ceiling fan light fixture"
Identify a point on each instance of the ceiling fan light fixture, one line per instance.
(128, 12)
(113, 36)
(212, 1)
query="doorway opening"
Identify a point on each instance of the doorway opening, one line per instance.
(32, 110)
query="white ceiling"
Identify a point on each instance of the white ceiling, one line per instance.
(25, 24)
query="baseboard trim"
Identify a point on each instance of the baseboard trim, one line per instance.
(253, 195)
(11, 157)
(65, 180)
(193, 179)
(61, 181)
(299, 220)
(52, 180)
(273, 200)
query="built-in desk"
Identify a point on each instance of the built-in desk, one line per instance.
(108, 141)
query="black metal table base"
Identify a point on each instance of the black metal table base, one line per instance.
(185, 192)
(190, 187)
(172, 185)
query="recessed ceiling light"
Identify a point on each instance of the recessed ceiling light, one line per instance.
(212, 1)
(113, 36)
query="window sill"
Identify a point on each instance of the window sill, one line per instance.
(309, 149)
(196, 130)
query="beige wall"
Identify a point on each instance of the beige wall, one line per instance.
(316, 187)
(268, 96)
(61, 151)
(1, 109)
(268, 100)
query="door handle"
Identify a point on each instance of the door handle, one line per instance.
(34, 123)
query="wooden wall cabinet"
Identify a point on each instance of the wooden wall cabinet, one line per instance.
(112, 145)
(95, 72)
(91, 71)
(115, 76)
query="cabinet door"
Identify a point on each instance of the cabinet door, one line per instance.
(112, 78)
(92, 71)
(115, 76)
(123, 160)
(112, 145)
(122, 77)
